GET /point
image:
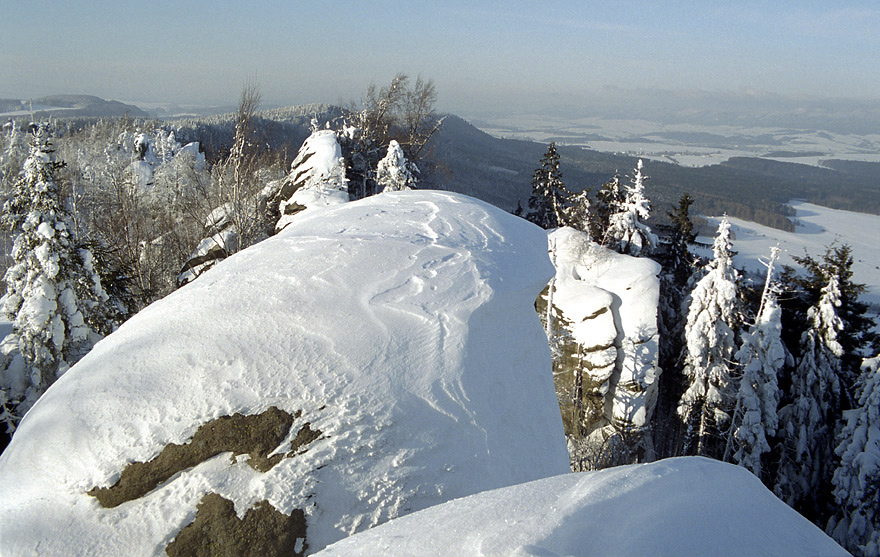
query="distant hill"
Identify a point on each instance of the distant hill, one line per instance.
(71, 106)
(466, 160)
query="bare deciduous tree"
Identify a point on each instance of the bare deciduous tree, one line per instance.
(395, 112)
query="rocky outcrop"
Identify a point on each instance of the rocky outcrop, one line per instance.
(605, 364)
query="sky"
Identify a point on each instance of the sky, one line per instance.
(482, 56)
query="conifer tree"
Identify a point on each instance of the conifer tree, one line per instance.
(807, 424)
(856, 525)
(627, 231)
(679, 260)
(678, 268)
(394, 172)
(856, 332)
(54, 298)
(609, 199)
(547, 204)
(578, 214)
(762, 356)
(710, 342)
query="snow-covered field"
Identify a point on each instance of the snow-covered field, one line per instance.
(816, 227)
(688, 144)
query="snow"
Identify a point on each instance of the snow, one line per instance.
(402, 326)
(45, 230)
(692, 145)
(815, 228)
(676, 507)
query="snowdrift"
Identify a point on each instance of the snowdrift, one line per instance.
(373, 359)
(676, 507)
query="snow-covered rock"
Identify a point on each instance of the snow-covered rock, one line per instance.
(610, 301)
(373, 359)
(317, 177)
(677, 507)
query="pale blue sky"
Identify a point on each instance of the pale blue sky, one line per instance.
(482, 55)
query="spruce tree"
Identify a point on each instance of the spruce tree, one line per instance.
(856, 525)
(679, 261)
(54, 298)
(762, 356)
(394, 172)
(678, 268)
(549, 199)
(609, 199)
(710, 343)
(856, 333)
(627, 231)
(807, 424)
(578, 214)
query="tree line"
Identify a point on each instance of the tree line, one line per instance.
(769, 373)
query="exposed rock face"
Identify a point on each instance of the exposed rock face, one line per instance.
(256, 435)
(218, 531)
(605, 367)
(370, 360)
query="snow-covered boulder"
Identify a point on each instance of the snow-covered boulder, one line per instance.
(608, 303)
(677, 507)
(317, 177)
(372, 359)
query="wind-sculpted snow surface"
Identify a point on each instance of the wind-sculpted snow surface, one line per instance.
(390, 343)
(689, 506)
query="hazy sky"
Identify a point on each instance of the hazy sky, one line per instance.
(481, 55)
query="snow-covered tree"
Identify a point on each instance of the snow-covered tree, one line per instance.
(762, 356)
(807, 424)
(13, 151)
(394, 172)
(710, 343)
(398, 111)
(577, 214)
(547, 204)
(627, 231)
(857, 334)
(609, 199)
(54, 298)
(857, 480)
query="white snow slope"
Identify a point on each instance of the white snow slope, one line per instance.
(677, 507)
(402, 326)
